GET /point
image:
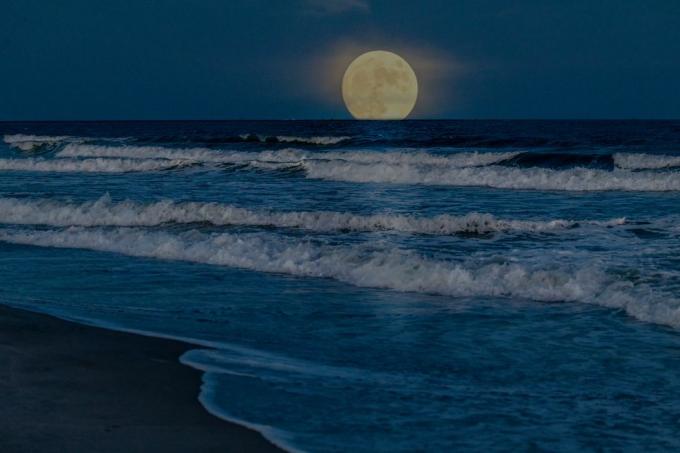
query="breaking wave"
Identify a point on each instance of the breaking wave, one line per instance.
(293, 139)
(486, 169)
(360, 266)
(159, 152)
(26, 142)
(95, 165)
(212, 139)
(32, 142)
(502, 177)
(635, 161)
(295, 156)
(104, 212)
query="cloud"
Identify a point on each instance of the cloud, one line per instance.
(330, 7)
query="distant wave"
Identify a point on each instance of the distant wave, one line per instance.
(415, 139)
(402, 167)
(502, 177)
(419, 140)
(462, 159)
(27, 142)
(32, 142)
(212, 139)
(504, 170)
(359, 266)
(160, 152)
(293, 139)
(553, 160)
(635, 161)
(104, 212)
(97, 165)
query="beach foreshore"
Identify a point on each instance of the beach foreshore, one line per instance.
(69, 387)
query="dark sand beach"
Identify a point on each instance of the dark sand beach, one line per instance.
(69, 387)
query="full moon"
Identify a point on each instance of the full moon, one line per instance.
(379, 85)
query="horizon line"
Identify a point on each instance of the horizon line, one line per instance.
(326, 120)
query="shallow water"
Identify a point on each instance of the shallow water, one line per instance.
(373, 286)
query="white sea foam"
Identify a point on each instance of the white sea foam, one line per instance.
(359, 266)
(404, 167)
(635, 161)
(103, 212)
(312, 140)
(160, 152)
(293, 156)
(96, 165)
(460, 159)
(574, 179)
(31, 142)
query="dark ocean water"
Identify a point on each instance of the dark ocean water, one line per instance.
(428, 285)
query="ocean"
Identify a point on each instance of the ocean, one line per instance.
(372, 286)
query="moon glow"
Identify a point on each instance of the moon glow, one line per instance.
(379, 85)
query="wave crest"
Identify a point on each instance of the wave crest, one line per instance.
(359, 266)
(32, 142)
(104, 212)
(319, 140)
(95, 165)
(291, 155)
(574, 179)
(635, 161)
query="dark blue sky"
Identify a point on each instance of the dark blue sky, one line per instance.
(214, 59)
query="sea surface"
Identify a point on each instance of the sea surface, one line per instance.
(372, 286)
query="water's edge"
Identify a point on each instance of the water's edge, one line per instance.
(210, 406)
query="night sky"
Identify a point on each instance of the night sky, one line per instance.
(283, 59)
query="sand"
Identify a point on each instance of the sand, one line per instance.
(67, 387)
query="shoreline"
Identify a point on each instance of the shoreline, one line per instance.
(73, 387)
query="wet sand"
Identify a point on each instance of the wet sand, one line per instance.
(68, 387)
